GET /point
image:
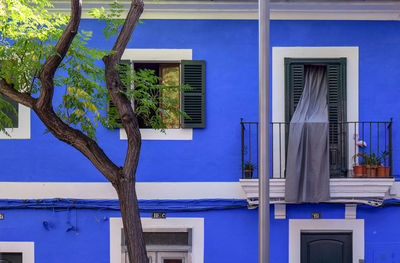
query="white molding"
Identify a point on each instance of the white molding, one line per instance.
(159, 55)
(278, 92)
(296, 226)
(280, 211)
(196, 224)
(370, 191)
(248, 10)
(145, 191)
(350, 211)
(24, 125)
(27, 249)
(157, 135)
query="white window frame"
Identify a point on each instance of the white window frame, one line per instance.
(157, 225)
(24, 125)
(278, 91)
(298, 226)
(26, 248)
(159, 56)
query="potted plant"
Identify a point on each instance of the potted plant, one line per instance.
(359, 170)
(373, 164)
(248, 167)
(383, 171)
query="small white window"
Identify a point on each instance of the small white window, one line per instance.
(171, 240)
(17, 252)
(21, 124)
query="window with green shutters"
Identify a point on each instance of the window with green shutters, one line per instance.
(13, 115)
(192, 101)
(336, 97)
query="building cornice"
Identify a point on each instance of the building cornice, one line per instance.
(248, 10)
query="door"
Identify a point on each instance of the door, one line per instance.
(326, 248)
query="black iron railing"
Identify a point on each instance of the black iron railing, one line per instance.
(356, 149)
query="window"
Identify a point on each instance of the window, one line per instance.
(170, 240)
(335, 73)
(17, 252)
(20, 128)
(176, 65)
(12, 115)
(279, 110)
(164, 246)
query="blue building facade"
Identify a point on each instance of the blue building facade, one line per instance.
(57, 207)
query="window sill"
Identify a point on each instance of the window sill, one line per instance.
(157, 135)
(24, 125)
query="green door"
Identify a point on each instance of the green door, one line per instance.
(326, 248)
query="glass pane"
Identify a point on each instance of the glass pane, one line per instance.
(170, 75)
(166, 238)
(10, 257)
(172, 261)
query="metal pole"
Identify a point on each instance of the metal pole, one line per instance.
(264, 119)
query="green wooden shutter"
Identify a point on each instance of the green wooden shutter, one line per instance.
(336, 76)
(112, 112)
(10, 114)
(193, 100)
(294, 85)
(336, 80)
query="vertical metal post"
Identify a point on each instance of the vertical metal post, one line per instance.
(264, 116)
(242, 142)
(391, 147)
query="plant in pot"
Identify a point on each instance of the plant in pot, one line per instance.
(249, 167)
(383, 171)
(373, 163)
(359, 170)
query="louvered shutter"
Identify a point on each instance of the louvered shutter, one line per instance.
(336, 78)
(10, 114)
(112, 111)
(337, 110)
(193, 99)
(295, 85)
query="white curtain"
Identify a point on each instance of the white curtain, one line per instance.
(307, 166)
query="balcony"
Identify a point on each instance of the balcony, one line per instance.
(356, 151)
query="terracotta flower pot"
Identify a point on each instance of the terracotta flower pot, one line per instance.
(248, 174)
(383, 171)
(360, 171)
(371, 170)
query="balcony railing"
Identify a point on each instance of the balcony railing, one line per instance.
(351, 145)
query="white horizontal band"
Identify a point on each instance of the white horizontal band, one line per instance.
(145, 191)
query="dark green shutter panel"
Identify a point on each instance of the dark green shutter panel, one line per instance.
(295, 86)
(337, 116)
(112, 112)
(193, 100)
(10, 114)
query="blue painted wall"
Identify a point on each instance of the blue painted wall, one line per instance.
(230, 236)
(230, 51)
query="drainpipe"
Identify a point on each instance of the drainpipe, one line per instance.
(264, 119)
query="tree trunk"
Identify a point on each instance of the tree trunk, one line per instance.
(131, 220)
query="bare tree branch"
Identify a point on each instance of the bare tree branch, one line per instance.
(125, 35)
(44, 109)
(46, 75)
(16, 96)
(114, 85)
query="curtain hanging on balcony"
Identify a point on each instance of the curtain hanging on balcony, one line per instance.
(307, 166)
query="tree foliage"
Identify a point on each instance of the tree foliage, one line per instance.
(43, 54)
(28, 36)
